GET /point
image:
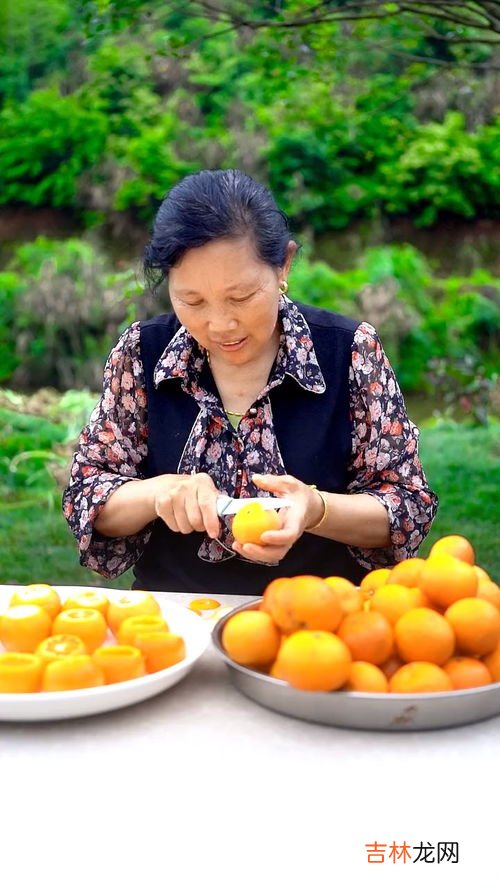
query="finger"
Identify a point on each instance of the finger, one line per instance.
(272, 554)
(207, 507)
(273, 483)
(165, 510)
(180, 515)
(193, 512)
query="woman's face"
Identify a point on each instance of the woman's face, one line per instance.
(228, 299)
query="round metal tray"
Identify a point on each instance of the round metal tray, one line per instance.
(352, 709)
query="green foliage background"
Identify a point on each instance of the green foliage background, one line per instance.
(105, 105)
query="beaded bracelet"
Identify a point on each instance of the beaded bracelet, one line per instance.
(325, 508)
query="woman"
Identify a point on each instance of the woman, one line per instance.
(244, 392)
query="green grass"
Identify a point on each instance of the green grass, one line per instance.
(462, 465)
(37, 547)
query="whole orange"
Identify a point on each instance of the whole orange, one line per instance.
(252, 521)
(251, 638)
(304, 602)
(419, 678)
(313, 660)
(407, 573)
(489, 591)
(456, 545)
(275, 593)
(368, 635)
(373, 580)
(392, 600)
(467, 672)
(350, 596)
(476, 624)
(423, 634)
(445, 579)
(366, 677)
(492, 663)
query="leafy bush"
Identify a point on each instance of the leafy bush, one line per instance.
(445, 169)
(46, 144)
(66, 308)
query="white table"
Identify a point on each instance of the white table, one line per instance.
(201, 786)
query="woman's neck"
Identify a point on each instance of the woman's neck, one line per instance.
(240, 385)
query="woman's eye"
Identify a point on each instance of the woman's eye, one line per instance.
(242, 298)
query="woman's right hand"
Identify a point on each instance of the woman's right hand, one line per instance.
(187, 503)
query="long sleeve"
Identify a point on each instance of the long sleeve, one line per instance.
(110, 451)
(385, 461)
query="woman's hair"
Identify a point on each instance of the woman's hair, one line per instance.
(214, 204)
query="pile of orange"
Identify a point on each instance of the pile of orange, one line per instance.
(86, 641)
(426, 624)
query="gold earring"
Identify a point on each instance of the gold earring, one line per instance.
(283, 288)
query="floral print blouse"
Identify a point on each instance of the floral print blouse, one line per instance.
(384, 453)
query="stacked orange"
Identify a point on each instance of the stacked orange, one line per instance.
(424, 625)
(87, 641)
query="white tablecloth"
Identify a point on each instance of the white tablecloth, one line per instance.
(201, 786)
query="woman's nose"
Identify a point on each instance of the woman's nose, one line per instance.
(221, 322)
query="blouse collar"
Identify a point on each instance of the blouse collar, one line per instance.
(184, 359)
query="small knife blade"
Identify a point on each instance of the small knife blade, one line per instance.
(228, 505)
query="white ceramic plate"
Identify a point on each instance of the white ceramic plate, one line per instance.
(48, 705)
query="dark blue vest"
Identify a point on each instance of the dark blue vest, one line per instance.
(314, 436)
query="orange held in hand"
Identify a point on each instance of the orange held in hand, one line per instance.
(252, 521)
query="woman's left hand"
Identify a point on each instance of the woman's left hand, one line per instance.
(305, 511)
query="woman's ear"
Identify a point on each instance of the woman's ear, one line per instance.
(290, 253)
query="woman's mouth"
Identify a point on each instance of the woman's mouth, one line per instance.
(232, 344)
